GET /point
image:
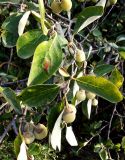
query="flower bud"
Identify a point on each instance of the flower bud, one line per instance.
(28, 137)
(80, 95)
(40, 131)
(90, 95)
(94, 102)
(80, 56)
(66, 5)
(69, 114)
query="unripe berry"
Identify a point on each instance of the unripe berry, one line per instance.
(29, 127)
(80, 95)
(40, 131)
(112, 2)
(69, 114)
(28, 137)
(66, 5)
(56, 7)
(71, 47)
(80, 56)
(94, 102)
(90, 95)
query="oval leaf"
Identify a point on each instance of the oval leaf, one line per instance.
(17, 144)
(9, 39)
(103, 69)
(87, 16)
(27, 43)
(116, 78)
(39, 94)
(11, 23)
(46, 61)
(100, 86)
(11, 98)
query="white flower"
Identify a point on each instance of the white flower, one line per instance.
(55, 137)
(70, 137)
(89, 107)
(22, 154)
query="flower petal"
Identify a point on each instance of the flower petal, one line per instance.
(70, 137)
(56, 133)
(22, 22)
(89, 107)
(22, 154)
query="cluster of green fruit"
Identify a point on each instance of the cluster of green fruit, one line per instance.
(69, 113)
(81, 95)
(31, 132)
(58, 6)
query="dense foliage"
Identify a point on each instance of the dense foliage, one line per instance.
(62, 79)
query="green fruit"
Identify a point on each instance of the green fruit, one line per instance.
(28, 137)
(94, 102)
(69, 114)
(80, 56)
(56, 7)
(40, 131)
(90, 95)
(71, 47)
(29, 127)
(112, 2)
(66, 5)
(80, 95)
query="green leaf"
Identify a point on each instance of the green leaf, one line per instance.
(103, 154)
(46, 61)
(27, 43)
(42, 13)
(97, 33)
(53, 115)
(103, 69)
(17, 143)
(101, 87)
(11, 23)
(11, 98)
(10, 30)
(120, 38)
(34, 149)
(116, 78)
(87, 16)
(9, 39)
(39, 94)
(122, 52)
(84, 108)
(123, 142)
(10, 1)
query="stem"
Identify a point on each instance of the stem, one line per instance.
(42, 13)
